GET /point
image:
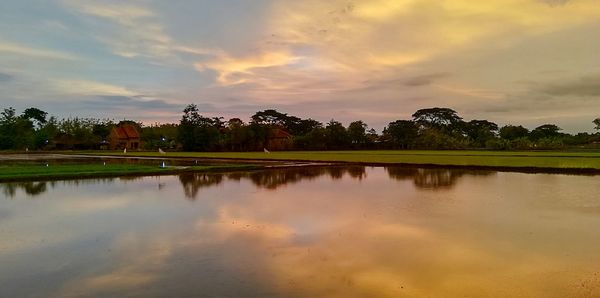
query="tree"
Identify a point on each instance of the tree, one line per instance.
(302, 126)
(236, 134)
(102, 129)
(35, 114)
(44, 137)
(480, 131)
(597, 123)
(439, 118)
(511, 132)
(401, 133)
(7, 125)
(292, 124)
(545, 131)
(357, 133)
(336, 134)
(270, 117)
(16, 132)
(159, 136)
(77, 133)
(197, 132)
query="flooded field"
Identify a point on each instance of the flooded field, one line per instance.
(304, 232)
(62, 159)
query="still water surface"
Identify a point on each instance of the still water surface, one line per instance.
(304, 232)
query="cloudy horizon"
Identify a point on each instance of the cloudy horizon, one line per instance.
(526, 62)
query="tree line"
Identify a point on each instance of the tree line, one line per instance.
(430, 128)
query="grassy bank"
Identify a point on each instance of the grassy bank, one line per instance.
(491, 159)
(30, 172)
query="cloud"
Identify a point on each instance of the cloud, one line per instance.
(556, 2)
(586, 86)
(5, 77)
(470, 91)
(134, 30)
(424, 80)
(383, 40)
(21, 50)
(117, 102)
(86, 87)
(378, 60)
(235, 70)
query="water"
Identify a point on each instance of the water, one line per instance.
(304, 232)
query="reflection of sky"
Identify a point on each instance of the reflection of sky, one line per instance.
(315, 237)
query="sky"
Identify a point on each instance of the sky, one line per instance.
(526, 62)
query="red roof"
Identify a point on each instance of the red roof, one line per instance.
(130, 131)
(126, 131)
(279, 133)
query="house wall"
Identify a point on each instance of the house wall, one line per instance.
(116, 142)
(279, 143)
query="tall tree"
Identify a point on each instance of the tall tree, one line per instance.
(35, 114)
(545, 131)
(357, 133)
(480, 131)
(270, 117)
(597, 123)
(7, 128)
(197, 132)
(401, 133)
(440, 118)
(299, 127)
(237, 134)
(512, 132)
(337, 136)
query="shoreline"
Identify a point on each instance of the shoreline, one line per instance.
(529, 162)
(251, 161)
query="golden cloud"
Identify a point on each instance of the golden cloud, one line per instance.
(384, 40)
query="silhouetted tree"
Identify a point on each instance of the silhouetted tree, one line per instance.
(511, 132)
(197, 132)
(480, 131)
(545, 131)
(597, 123)
(270, 117)
(439, 118)
(337, 136)
(35, 114)
(401, 133)
(302, 126)
(357, 134)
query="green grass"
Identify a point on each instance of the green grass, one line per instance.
(500, 159)
(28, 172)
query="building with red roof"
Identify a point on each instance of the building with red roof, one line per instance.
(124, 136)
(279, 139)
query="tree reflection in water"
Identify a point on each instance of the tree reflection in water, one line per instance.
(432, 179)
(193, 182)
(36, 188)
(30, 188)
(269, 179)
(272, 179)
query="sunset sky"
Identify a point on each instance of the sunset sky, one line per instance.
(524, 62)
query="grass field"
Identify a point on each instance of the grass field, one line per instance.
(501, 159)
(28, 172)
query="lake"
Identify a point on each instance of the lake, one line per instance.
(304, 232)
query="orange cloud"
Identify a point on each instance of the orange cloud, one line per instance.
(235, 70)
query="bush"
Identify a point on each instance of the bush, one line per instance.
(435, 139)
(521, 144)
(550, 143)
(497, 144)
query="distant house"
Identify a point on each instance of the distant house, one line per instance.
(124, 136)
(279, 139)
(63, 141)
